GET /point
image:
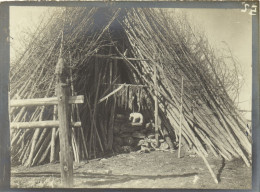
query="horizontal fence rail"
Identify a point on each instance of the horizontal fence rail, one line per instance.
(39, 124)
(44, 101)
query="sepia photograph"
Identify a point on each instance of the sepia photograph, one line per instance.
(131, 97)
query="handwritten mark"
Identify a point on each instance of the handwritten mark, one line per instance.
(251, 9)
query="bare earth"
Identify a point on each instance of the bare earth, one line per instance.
(156, 169)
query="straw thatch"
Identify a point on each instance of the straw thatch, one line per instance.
(106, 47)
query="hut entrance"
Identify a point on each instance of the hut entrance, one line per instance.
(120, 106)
(119, 111)
(129, 116)
(133, 114)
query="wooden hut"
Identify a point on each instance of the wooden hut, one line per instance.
(113, 54)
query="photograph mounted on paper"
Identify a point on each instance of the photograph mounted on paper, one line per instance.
(109, 97)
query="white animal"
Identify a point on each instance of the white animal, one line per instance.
(136, 118)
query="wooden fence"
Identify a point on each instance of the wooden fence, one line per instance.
(63, 100)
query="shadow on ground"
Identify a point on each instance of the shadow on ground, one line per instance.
(102, 179)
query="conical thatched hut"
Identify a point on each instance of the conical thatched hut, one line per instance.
(112, 50)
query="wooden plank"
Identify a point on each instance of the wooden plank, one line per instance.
(39, 124)
(45, 101)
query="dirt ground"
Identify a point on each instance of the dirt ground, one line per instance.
(157, 169)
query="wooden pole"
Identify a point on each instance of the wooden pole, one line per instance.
(208, 166)
(53, 137)
(64, 135)
(44, 101)
(62, 90)
(110, 68)
(156, 107)
(39, 124)
(180, 130)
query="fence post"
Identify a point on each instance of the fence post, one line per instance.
(66, 161)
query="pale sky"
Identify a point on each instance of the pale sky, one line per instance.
(235, 28)
(229, 25)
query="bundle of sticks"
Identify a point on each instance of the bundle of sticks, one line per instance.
(132, 42)
(210, 116)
